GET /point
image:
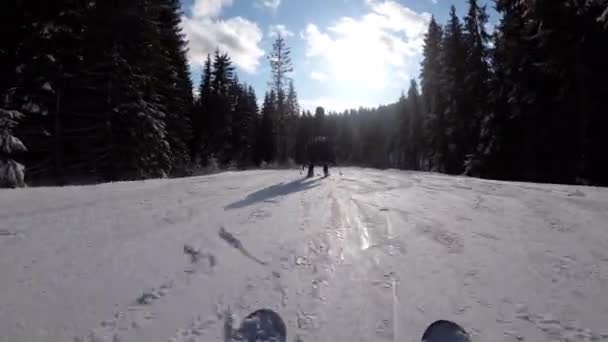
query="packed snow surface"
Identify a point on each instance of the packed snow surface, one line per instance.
(365, 255)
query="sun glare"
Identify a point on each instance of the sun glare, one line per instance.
(357, 62)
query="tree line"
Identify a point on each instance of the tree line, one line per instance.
(524, 102)
(100, 91)
(102, 88)
(230, 129)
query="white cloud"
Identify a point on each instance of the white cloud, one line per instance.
(370, 50)
(209, 8)
(272, 4)
(275, 30)
(237, 36)
(318, 76)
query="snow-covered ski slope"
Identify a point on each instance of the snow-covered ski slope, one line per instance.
(366, 256)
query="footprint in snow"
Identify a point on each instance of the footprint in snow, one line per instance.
(196, 256)
(195, 331)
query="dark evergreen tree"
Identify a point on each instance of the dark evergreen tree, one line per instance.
(43, 55)
(201, 116)
(12, 173)
(401, 149)
(457, 118)
(292, 105)
(253, 109)
(304, 133)
(345, 139)
(476, 82)
(174, 87)
(292, 108)
(243, 125)
(415, 142)
(221, 106)
(141, 147)
(433, 99)
(266, 131)
(319, 126)
(105, 94)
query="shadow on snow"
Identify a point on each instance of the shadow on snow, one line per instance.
(281, 189)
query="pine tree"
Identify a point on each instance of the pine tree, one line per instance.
(292, 112)
(319, 126)
(237, 106)
(201, 115)
(12, 173)
(254, 121)
(266, 132)
(243, 125)
(292, 106)
(221, 106)
(415, 142)
(174, 87)
(513, 135)
(304, 134)
(402, 149)
(142, 145)
(345, 139)
(476, 81)
(434, 102)
(281, 66)
(457, 118)
(559, 94)
(44, 55)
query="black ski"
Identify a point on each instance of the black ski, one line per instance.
(266, 325)
(445, 331)
(261, 326)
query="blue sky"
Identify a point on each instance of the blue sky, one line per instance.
(346, 53)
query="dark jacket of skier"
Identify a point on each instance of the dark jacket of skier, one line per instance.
(319, 151)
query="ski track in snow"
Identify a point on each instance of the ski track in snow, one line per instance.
(363, 256)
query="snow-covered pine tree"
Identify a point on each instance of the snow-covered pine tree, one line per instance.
(136, 114)
(12, 173)
(174, 85)
(45, 57)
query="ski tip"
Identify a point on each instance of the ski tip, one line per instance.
(263, 325)
(445, 331)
